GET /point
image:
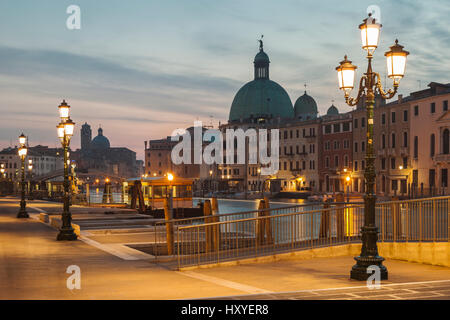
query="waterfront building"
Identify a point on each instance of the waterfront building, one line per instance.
(336, 140)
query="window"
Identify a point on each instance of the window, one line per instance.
(383, 141)
(298, 134)
(393, 117)
(392, 163)
(327, 129)
(363, 164)
(433, 107)
(393, 140)
(303, 165)
(356, 165)
(383, 118)
(383, 163)
(356, 124)
(432, 145)
(346, 161)
(336, 161)
(432, 177)
(327, 162)
(405, 162)
(337, 127)
(445, 105)
(285, 134)
(363, 122)
(416, 110)
(363, 146)
(444, 175)
(416, 147)
(356, 146)
(445, 142)
(405, 115)
(346, 126)
(405, 139)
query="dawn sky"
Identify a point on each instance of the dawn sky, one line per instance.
(144, 68)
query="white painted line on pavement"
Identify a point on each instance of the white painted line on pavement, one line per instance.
(336, 289)
(224, 283)
(38, 209)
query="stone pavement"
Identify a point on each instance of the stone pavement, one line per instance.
(33, 266)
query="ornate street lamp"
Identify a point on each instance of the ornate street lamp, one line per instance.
(22, 154)
(65, 131)
(369, 84)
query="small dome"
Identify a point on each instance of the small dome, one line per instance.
(305, 107)
(332, 111)
(100, 142)
(261, 57)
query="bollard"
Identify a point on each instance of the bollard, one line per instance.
(207, 212)
(168, 215)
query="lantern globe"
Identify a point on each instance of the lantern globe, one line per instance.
(22, 139)
(396, 62)
(64, 110)
(69, 127)
(60, 131)
(23, 152)
(346, 75)
(370, 34)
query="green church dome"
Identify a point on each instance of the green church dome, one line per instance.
(332, 111)
(305, 107)
(262, 97)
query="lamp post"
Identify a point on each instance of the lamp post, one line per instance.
(22, 154)
(30, 176)
(65, 131)
(369, 84)
(2, 176)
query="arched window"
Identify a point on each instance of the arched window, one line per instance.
(446, 142)
(432, 145)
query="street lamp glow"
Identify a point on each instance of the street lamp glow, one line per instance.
(400, 167)
(64, 109)
(69, 126)
(347, 178)
(396, 62)
(370, 34)
(346, 75)
(22, 139)
(23, 152)
(170, 177)
(60, 131)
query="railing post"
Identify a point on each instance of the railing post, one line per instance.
(433, 208)
(420, 221)
(260, 222)
(216, 228)
(168, 215)
(208, 234)
(267, 222)
(178, 248)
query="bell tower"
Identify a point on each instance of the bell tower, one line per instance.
(86, 137)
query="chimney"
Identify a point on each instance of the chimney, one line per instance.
(400, 98)
(145, 142)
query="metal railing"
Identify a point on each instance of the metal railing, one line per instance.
(274, 231)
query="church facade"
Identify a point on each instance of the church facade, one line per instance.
(97, 156)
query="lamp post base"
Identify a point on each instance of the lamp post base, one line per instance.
(360, 269)
(23, 214)
(66, 234)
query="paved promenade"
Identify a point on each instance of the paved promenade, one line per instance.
(33, 266)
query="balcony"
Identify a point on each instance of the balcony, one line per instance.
(442, 158)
